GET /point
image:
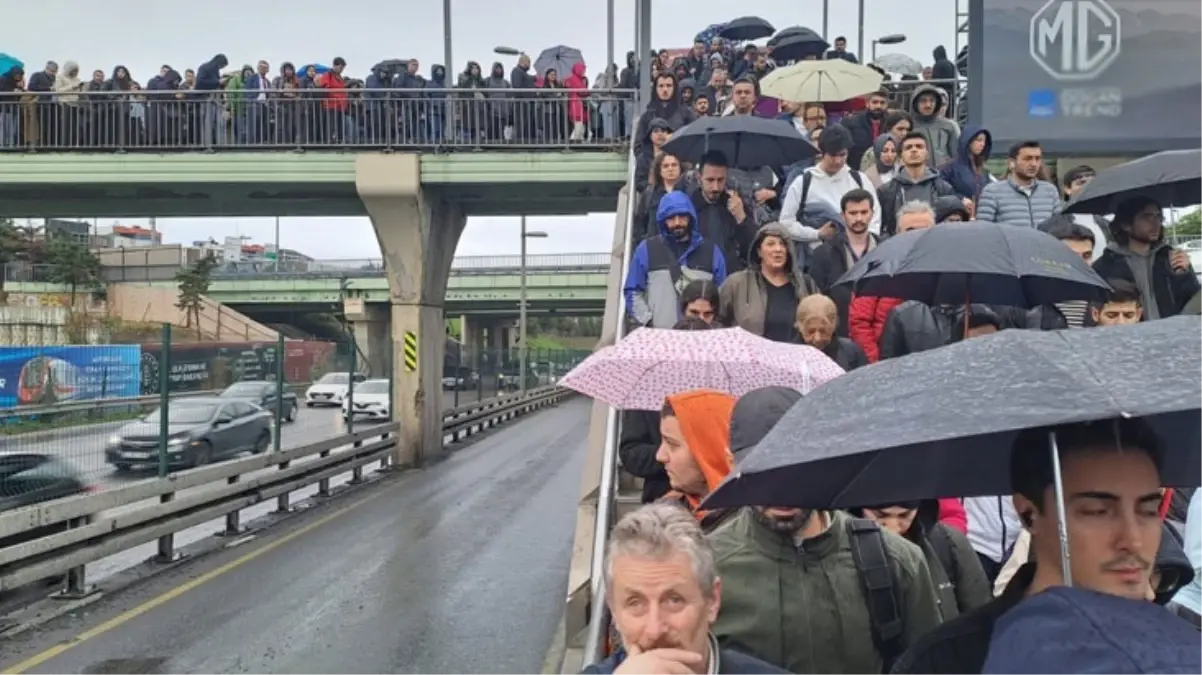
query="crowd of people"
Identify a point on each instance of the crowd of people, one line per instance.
(213, 105)
(891, 587)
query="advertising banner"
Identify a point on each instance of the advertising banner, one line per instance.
(216, 365)
(45, 375)
(1089, 77)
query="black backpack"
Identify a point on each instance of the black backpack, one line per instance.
(880, 587)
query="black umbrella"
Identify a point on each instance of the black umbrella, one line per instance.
(747, 142)
(391, 66)
(789, 32)
(955, 412)
(977, 262)
(799, 45)
(1172, 178)
(747, 28)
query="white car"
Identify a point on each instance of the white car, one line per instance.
(370, 401)
(330, 389)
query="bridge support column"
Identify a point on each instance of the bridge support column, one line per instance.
(418, 235)
(371, 330)
(471, 336)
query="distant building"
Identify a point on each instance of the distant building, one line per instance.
(130, 236)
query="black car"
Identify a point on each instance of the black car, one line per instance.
(28, 478)
(262, 394)
(199, 430)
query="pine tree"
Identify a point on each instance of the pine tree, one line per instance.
(193, 285)
(73, 265)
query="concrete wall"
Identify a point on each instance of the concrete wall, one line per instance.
(150, 304)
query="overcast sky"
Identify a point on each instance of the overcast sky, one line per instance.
(145, 34)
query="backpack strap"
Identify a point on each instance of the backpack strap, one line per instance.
(855, 176)
(673, 264)
(806, 179)
(876, 576)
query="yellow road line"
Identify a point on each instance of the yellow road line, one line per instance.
(135, 612)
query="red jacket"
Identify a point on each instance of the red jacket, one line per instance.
(952, 514)
(577, 85)
(866, 321)
(335, 84)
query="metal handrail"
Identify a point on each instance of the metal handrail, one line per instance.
(306, 118)
(594, 645)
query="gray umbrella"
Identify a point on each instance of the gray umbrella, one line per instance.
(899, 63)
(943, 422)
(1172, 178)
(559, 58)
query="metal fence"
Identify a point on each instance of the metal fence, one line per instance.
(314, 118)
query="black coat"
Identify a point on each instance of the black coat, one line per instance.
(827, 264)
(846, 353)
(1171, 290)
(913, 327)
(636, 449)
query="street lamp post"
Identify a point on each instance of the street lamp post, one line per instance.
(522, 351)
(890, 39)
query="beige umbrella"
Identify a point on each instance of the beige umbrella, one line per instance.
(828, 81)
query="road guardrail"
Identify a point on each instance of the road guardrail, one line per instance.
(82, 533)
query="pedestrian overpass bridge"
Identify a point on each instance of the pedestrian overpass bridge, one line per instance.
(416, 553)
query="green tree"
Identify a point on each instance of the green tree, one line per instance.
(1189, 225)
(73, 265)
(193, 284)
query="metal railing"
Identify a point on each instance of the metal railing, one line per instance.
(23, 272)
(62, 536)
(310, 118)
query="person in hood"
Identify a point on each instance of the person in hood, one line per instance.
(960, 582)
(914, 181)
(499, 112)
(866, 126)
(898, 123)
(1110, 474)
(967, 172)
(943, 72)
(639, 444)
(951, 209)
(163, 119)
(578, 112)
(67, 87)
(473, 114)
(665, 104)
(827, 181)
(942, 133)
(830, 261)
(816, 323)
(1023, 198)
(658, 131)
(1139, 254)
(436, 117)
(663, 265)
(663, 594)
(695, 450)
(762, 299)
(1075, 630)
(688, 91)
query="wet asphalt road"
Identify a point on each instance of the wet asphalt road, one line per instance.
(86, 451)
(457, 568)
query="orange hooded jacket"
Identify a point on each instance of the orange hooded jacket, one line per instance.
(704, 417)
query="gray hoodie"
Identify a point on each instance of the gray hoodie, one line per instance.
(943, 134)
(902, 189)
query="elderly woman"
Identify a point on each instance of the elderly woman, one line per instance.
(817, 319)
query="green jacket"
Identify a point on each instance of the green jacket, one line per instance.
(964, 588)
(802, 607)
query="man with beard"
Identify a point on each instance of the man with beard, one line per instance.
(794, 589)
(663, 594)
(663, 265)
(865, 126)
(1139, 254)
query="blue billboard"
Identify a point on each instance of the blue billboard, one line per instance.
(44, 375)
(1090, 77)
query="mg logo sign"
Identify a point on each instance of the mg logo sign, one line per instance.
(1075, 40)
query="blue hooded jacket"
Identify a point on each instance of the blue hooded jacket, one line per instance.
(959, 172)
(650, 291)
(1073, 630)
